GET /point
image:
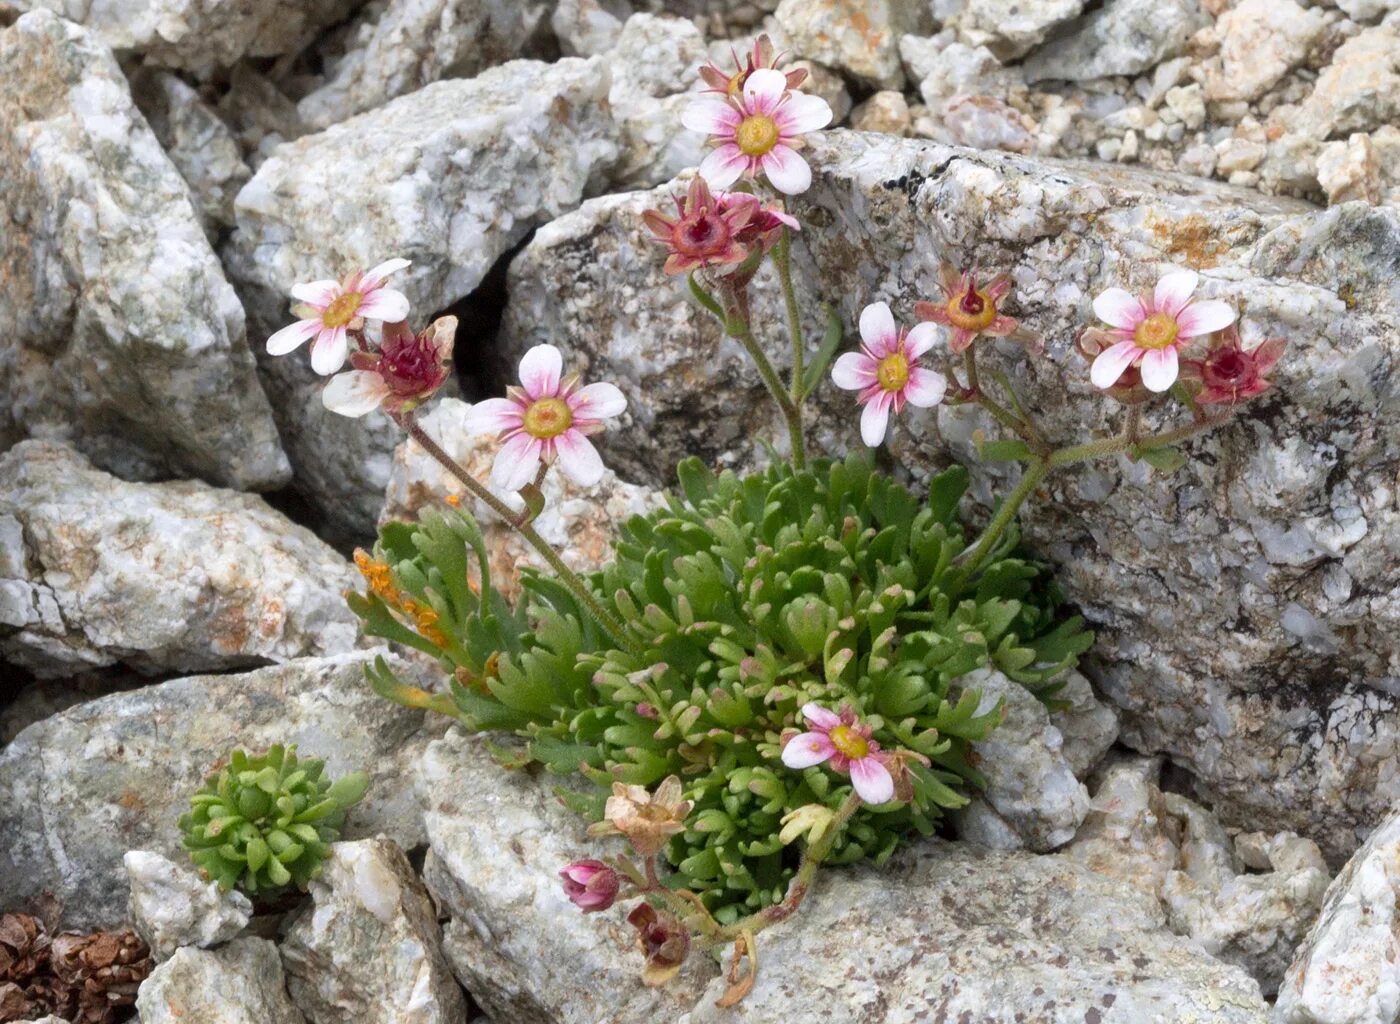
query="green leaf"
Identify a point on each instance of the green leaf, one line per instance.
(1005, 450)
(706, 299)
(821, 359)
(349, 790)
(1165, 460)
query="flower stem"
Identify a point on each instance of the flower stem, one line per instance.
(782, 259)
(741, 329)
(1016, 424)
(973, 559)
(1122, 443)
(567, 576)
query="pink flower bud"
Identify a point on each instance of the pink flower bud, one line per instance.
(590, 885)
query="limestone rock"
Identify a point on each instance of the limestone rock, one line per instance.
(81, 788)
(201, 35)
(1012, 28)
(887, 111)
(198, 141)
(408, 44)
(1260, 42)
(241, 983)
(946, 931)
(171, 906)
(579, 522)
(366, 948)
(1123, 37)
(1087, 726)
(1344, 972)
(586, 28)
(1360, 89)
(133, 347)
(464, 169)
(524, 952)
(1127, 834)
(173, 577)
(857, 37)
(1353, 170)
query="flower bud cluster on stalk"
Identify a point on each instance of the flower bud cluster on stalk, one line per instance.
(768, 676)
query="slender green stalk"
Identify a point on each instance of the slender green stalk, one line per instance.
(782, 259)
(1016, 424)
(741, 330)
(1122, 443)
(1002, 379)
(566, 575)
(973, 559)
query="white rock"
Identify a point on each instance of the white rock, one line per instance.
(1345, 971)
(857, 37)
(1237, 154)
(1350, 170)
(241, 983)
(1087, 726)
(408, 44)
(366, 948)
(586, 28)
(463, 170)
(161, 577)
(887, 111)
(1188, 103)
(580, 523)
(81, 788)
(171, 906)
(117, 328)
(1123, 37)
(1360, 89)
(1012, 28)
(1260, 42)
(1127, 833)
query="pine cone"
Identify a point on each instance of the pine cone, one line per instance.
(24, 947)
(101, 971)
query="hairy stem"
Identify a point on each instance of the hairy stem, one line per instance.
(782, 259)
(1005, 515)
(742, 330)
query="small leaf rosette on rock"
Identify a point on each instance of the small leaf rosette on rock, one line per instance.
(266, 822)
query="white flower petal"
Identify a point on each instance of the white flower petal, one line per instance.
(1205, 317)
(1174, 290)
(384, 304)
(926, 388)
(874, 419)
(806, 749)
(317, 293)
(329, 350)
(921, 337)
(711, 115)
(540, 369)
(1159, 369)
(763, 90)
(822, 718)
(1111, 362)
(493, 416)
(872, 781)
(1119, 308)
(354, 393)
(854, 371)
(516, 463)
(802, 113)
(599, 401)
(376, 275)
(786, 171)
(877, 326)
(578, 458)
(723, 166)
(292, 337)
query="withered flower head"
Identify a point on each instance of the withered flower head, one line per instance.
(664, 942)
(648, 820)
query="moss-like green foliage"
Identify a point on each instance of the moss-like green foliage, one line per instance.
(744, 598)
(266, 822)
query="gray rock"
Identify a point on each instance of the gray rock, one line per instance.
(241, 983)
(524, 952)
(464, 169)
(407, 44)
(133, 347)
(1359, 90)
(201, 35)
(857, 37)
(1123, 37)
(949, 932)
(81, 788)
(366, 948)
(1260, 42)
(198, 141)
(1087, 726)
(1012, 28)
(586, 28)
(1344, 972)
(173, 577)
(171, 906)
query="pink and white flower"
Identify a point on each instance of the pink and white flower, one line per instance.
(405, 372)
(886, 370)
(758, 131)
(330, 310)
(845, 743)
(547, 418)
(1150, 332)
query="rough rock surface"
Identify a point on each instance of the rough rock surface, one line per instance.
(465, 169)
(171, 906)
(579, 522)
(201, 35)
(1260, 42)
(1344, 972)
(1123, 37)
(366, 948)
(524, 952)
(407, 44)
(1012, 28)
(172, 577)
(857, 37)
(198, 141)
(81, 788)
(240, 983)
(133, 347)
(1360, 89)
(946, 931)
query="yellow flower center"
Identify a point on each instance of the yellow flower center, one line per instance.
(893, 372)
(342, 310)
(849, 742)
(971, 311)
(756, 135)
(548, 417)
(1157, 331)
